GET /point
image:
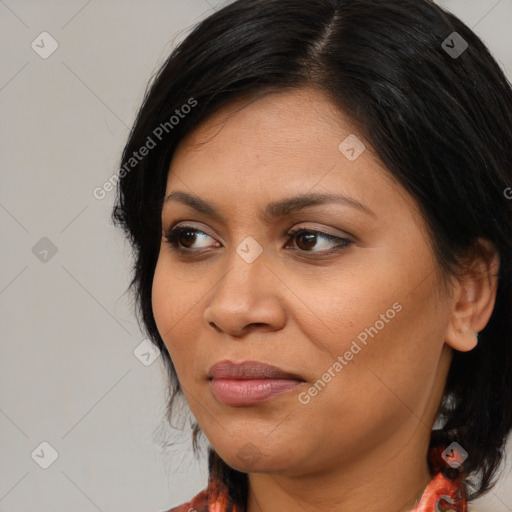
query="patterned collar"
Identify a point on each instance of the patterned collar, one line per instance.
(444, 493)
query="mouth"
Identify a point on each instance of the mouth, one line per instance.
(250, 382)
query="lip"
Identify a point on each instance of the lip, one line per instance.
(249, 370)
(250, 382)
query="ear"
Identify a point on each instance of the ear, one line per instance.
(474, 297)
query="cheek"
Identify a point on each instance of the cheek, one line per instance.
(161, 301)
(173, 310)
(388, 328)
(389, 378)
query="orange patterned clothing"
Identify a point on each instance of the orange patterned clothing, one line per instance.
(442, 494)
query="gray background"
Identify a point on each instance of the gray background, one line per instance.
(68, 372)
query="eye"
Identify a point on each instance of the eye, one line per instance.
(183, 238)
(306, 239)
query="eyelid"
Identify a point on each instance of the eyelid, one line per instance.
(189, 224)
(321, 230)
(343, 241)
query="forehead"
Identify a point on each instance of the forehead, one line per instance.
(277, 119)
(280, 137)
(281, 144)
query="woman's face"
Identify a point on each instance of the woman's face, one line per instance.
(351, 306)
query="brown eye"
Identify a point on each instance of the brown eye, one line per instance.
(183, 238)
(307, 239)
(187, 238)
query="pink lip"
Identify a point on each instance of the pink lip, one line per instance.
(249, 382)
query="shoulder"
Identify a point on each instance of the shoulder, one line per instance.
(198, 504)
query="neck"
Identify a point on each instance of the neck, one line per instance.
(397, 481)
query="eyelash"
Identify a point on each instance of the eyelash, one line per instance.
(172, 237)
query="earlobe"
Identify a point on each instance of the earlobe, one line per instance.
(475, 296)
(462, 338)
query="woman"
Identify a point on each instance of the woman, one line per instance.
(316, 194)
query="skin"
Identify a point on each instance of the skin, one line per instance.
(361, 443)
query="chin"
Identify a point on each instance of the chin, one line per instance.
(250, 459)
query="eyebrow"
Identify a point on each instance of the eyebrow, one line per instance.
(273, 210)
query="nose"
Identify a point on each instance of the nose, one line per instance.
(247, 297)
